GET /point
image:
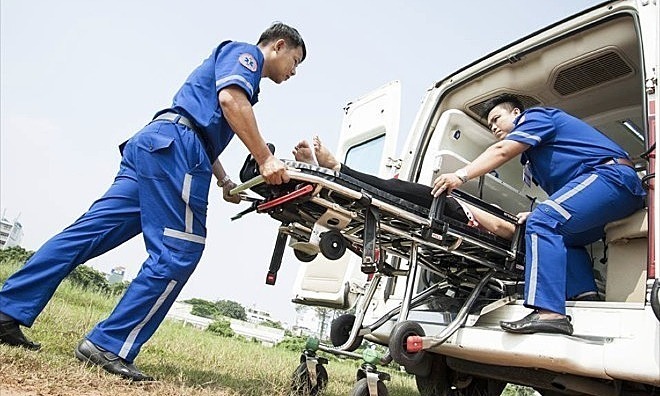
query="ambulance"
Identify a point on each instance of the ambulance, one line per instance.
(600, 65)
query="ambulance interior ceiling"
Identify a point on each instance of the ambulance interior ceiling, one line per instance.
(595, 74)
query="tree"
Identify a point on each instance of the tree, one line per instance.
(118, 288)
(231, 309)
(295, 344)
(273, 324)
(323, 314)
(206, 309)
(221, 327)
(88, 278)
(15, 254)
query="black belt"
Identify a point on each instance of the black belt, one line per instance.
(619, 161)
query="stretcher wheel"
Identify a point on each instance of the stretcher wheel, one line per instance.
(332, 245)
(304, 257)
(418, 363)
(362, 389)
(340, 331)
(302, 384)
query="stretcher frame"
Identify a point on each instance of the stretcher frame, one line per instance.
(318, 202)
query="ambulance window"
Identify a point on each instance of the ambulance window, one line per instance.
(365, 157)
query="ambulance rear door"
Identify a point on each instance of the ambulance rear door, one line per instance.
(367, 143)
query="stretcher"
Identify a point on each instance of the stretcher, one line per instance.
(325, 212)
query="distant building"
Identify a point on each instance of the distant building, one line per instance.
(254, 315)
(11, 232)
(268, 336)
(116, 275)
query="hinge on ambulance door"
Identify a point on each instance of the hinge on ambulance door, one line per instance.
(393, 163)
(651, 83)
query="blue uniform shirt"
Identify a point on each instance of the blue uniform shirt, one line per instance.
(562, 147)
(231, 63)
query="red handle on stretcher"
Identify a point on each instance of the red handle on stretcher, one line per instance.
(285, 198)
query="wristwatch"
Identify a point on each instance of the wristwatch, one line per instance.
(462, 174)
(221, 183)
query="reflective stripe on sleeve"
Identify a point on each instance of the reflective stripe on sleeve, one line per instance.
(235, 77)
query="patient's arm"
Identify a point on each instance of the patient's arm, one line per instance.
(413, 192)
(492, 223)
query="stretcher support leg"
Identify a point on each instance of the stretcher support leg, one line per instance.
(370, 254)
(410, 283)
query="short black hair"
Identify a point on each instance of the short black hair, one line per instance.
(510, 100)
(290, 35)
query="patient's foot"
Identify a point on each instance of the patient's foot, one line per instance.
(303, 153)
(324, 156)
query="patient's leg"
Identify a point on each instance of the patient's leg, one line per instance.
(320, 155)
(324, 156)
(416, 193)
(413, 192)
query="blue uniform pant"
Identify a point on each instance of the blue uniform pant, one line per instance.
(557, 264)
(161, 190)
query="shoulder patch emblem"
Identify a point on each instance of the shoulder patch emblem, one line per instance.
(248, 61)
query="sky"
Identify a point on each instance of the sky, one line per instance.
(77, 78)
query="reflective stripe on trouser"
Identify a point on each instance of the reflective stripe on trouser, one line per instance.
(169, 192)
(174, 174)
(557, 264)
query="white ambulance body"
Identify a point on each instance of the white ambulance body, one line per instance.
(600, 65)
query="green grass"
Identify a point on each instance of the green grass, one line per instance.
(185, 360)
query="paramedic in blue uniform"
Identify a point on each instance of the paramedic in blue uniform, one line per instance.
(162, 191)
(590, 182)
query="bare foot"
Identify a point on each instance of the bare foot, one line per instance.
(303, 153)
(324, 156)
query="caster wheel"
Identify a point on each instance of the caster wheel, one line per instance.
(340, 330)
(332, 245)
(418, 363)
(362, 389)
(304, 257)
(301, 385)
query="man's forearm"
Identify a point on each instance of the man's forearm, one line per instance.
(238, 112)
(493, 157)
(218, 170)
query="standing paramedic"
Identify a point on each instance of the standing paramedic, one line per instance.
(590, 181)
(162, 191)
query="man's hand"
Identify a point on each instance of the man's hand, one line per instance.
(522, 217)
(274, 171)
(446, 181)
(226, 188)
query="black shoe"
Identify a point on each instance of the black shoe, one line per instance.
(11, 334)
(87, 352)
(533, 323)
(587, 296)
